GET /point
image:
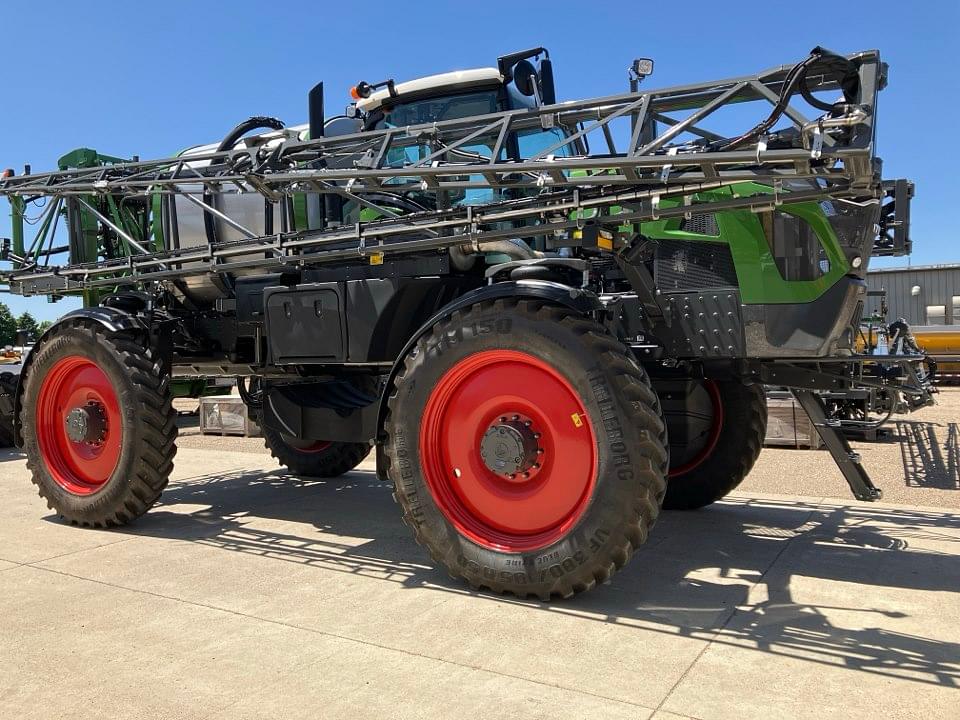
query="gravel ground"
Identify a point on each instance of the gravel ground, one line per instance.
(917, 463)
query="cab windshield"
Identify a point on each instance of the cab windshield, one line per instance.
(522, 145)
(439, 109)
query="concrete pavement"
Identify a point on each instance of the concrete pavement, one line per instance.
(248, 593)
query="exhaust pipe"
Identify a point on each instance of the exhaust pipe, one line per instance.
(464, 256)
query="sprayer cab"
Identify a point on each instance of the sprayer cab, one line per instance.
(520, 80)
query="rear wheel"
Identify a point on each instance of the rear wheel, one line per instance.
(716, 431)
(8, 393)
(99, 429)
(314, 458)
(526, 448)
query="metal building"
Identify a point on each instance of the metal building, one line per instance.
(923, 294)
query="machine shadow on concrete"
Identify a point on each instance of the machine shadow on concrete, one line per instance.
(722, 574)
(930, 453)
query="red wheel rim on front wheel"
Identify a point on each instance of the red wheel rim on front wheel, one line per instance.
(518, 396)
(79, 466)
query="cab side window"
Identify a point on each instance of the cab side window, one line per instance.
(795, 247)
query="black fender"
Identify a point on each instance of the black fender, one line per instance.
(113, 319)
(577, 299)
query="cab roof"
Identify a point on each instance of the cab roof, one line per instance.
(450, 81)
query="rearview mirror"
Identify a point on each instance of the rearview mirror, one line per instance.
(525, 78)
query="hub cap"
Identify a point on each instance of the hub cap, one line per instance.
(508, 451)
(511, 447)
(79, 426)
(87, 424)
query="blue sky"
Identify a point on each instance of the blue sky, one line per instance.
(129, 78)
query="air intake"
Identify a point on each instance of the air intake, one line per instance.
(690, 265)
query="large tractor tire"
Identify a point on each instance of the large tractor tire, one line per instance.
(99, 429)
(526, 447)
(314, 458)
(8, 393)
(716, 431)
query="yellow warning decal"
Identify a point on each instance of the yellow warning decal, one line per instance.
(376, 259)
(577, 421)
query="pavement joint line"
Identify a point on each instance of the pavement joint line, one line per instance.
(346, 638)
(33, 563)
(730, 615)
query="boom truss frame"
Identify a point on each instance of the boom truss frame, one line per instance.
(560, 187)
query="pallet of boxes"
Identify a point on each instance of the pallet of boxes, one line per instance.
(226, 415)
(787, 423)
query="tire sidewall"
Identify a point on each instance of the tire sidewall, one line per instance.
(89, 343)
(620, 461)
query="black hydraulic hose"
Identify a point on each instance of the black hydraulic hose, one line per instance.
(255, 123)
(251, 398)
(795, 81)
(258, 122)
(789, 86)
(393, 201)
(843, 69)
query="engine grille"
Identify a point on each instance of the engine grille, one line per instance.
(690, 265)
(701, 224)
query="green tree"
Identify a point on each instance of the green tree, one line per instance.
(27, 322)
(43, 326)
(8, 326)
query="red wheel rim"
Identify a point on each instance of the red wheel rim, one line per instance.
(716, 425)
(527, 510)
(312, 447)
(80, 467)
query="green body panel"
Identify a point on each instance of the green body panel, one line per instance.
(299, 201)
(87, 247)
(156, 210)
(17, 207)
(195, 388)
(759, 278)
(86, 158)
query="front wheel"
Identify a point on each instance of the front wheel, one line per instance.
(716, 430)
(526, 447)
(99, 429)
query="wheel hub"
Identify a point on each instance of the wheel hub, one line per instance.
(509, 447)
(87, 424)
